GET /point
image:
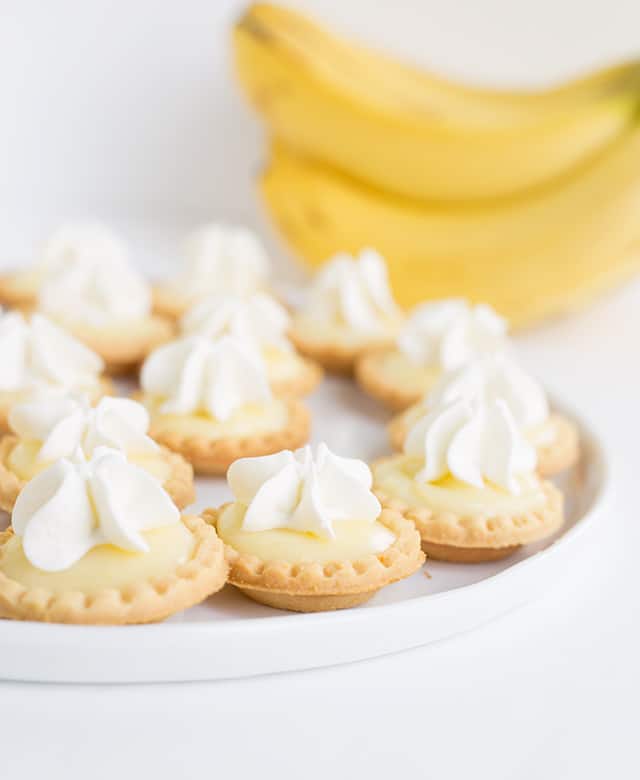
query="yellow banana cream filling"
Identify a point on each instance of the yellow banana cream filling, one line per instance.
(281, 364)
(250, 420)
(354, 539)
(395, 478)
(104, 566)
(413, 377)
(23, 461)
(341, 333)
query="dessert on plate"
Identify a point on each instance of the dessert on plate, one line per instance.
(306, 533)
(100, 542)
(38, 355)
(467, 478)
(261, 323)
(53, 426)
(218, 260)
(68, 246)
(349, 310)
(436, 338)
(105, 303)
(210, 401)
(493, 377)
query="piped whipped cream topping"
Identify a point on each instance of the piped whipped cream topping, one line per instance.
(196, 375)
(303, 492)
(221, 259)
(65, 425)
(91, 281)
(489, 379)
(472, 441)
(257, 321)
(450, 333)
(37, 353)
(75, 505)
(353, 292)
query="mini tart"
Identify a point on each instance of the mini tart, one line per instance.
(123, 347)
(212, 451)
(9, 398)
(146, 599)
(390, 377)
(557, 442)
(19, 289)
(317, 587)
(291, 375)
(168, 303)
(174, 471)
(332, 350)
(451, 533)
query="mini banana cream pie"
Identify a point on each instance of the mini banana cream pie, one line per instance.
(306, 533)
(105, 303)
(467, 478)
(261, 323)
(437, 338)
(100, 542)
(499, 377)
(52, 426)
(218, 260)
(68, 246)
(210, 401)
(36, 356)
(349, 310)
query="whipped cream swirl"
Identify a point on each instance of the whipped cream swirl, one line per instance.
(195, 374)
(75, 505)
(64, 425)
(353, 292)
(492, 378)
(301, 492)
(92, 281)
(37, 353)
(451, 332)
(472, 441)
(221, 259)
(257, 321)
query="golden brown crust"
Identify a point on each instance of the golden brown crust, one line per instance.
(214, 456)
(480, 531)
(563, 451)
(123, 350)
(179, 484)
(358, 579)
(203, 574)
(15, 293)
(452, 554)
(303, 383)
(334, 357)
(105, 387)
(168, 304)
(376, 382)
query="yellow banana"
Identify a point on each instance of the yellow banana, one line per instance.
(529, 257)
(413, 134)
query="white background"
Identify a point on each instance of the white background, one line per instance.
(128, 110)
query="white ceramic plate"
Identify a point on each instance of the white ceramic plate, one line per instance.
(231, 636)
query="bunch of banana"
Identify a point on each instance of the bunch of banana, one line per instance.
(528, 201)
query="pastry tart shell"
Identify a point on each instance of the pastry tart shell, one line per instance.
(334, 357)
(179, 483)
(377, 382)
(303, 383)
(214, 456)
(146, 602)
(449, 536)
(315, 587)
(15, 294)
(123, 350)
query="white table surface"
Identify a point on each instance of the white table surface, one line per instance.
(550, 691)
